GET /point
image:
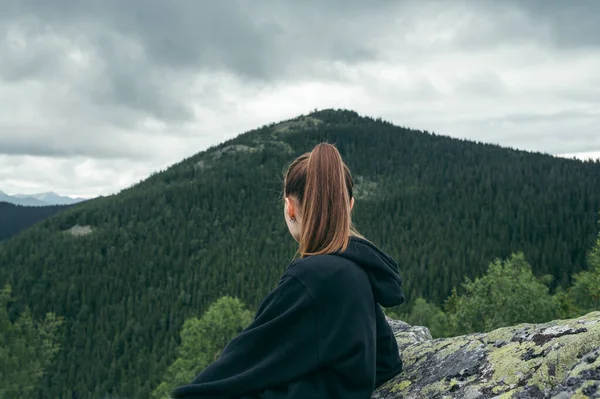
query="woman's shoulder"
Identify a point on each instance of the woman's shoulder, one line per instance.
(326, 272)
(310, 264)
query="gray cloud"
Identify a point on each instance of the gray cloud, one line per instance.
(571, 24)
(546, 130)
(66, 143)
(138, 46)
(74, 176)
(139, 49)
(144, 80)
(256, 40)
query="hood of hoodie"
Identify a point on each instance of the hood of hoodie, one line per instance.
(380, 267)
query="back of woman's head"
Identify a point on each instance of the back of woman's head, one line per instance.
(321, 185)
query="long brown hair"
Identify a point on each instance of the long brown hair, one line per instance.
(321, 184)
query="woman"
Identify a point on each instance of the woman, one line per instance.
(321, 332)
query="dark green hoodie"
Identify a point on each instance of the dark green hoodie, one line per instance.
(319, 334)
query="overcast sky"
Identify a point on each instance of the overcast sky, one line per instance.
(97, 94)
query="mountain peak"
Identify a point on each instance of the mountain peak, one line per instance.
(39, 199)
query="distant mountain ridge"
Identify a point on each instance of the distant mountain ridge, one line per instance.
(41, 199)
(14, 218)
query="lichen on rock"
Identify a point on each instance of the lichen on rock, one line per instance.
(559, 359)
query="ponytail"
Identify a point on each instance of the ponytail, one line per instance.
(322, 184)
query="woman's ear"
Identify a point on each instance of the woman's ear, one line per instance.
(289, 206)
(351, 203)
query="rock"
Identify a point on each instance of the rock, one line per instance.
(78, 230)
(365, 188)
(297, 124)
(231, 149)
(584, 378)
(407, 335)
(559, 359)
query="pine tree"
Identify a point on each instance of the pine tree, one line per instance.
(507, 294)
(586, 286)
(202, 340)
(26, 349)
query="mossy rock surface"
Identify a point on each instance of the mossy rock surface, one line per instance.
(559, 359)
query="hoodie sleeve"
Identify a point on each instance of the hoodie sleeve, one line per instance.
(275, 349)
(388, 361)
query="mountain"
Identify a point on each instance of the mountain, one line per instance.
(52, 198)
(14, 218)
(126, 270)
(24, 201)
(41, 199)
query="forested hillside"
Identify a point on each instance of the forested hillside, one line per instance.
(14, 218)
(140, 263)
